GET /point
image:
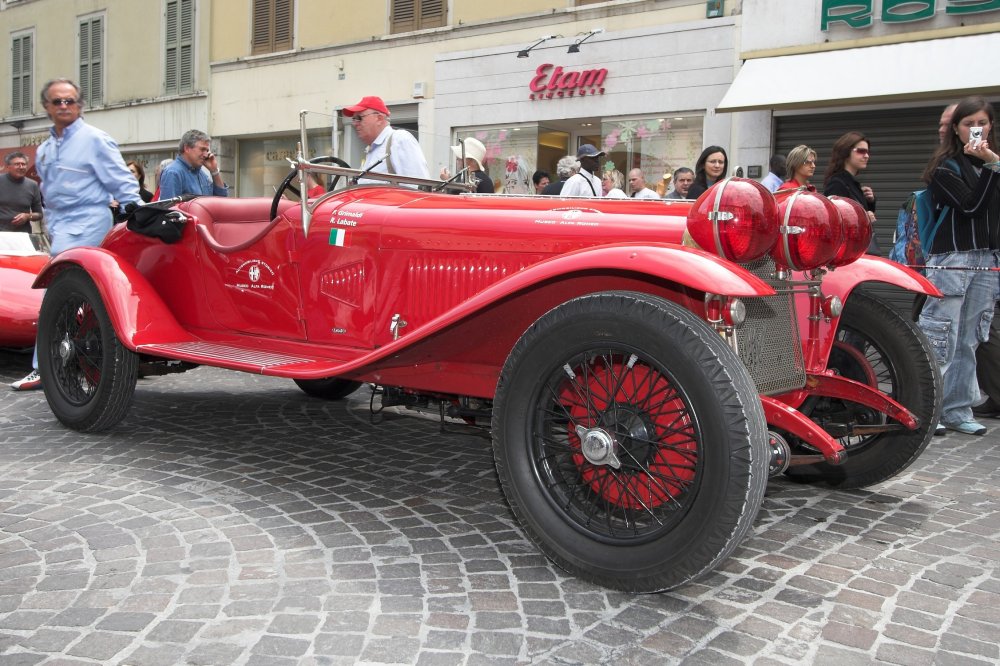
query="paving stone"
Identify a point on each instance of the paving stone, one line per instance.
(182, 543)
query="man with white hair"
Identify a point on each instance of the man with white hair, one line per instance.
(565, 167)
(390, 151)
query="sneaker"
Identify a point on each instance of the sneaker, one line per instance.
(33, 381)
(968, 428)
(940, 430)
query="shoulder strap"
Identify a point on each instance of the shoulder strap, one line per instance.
(951, 165)
(388, 154)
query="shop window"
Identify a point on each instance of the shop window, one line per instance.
(657, 145)
(410, 15)
(272, 26)
(92, 60)
(21, 52)
(179, 39)
(511, 156)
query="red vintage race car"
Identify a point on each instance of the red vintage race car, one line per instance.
(644, 366)
(22, 256)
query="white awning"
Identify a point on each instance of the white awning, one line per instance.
(937, 68)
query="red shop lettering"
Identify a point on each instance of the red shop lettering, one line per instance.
(560, 80)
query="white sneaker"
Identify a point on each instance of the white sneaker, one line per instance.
(29, 383)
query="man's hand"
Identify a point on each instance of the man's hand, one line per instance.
(21, 218)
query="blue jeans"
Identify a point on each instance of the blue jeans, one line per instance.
(957, 323)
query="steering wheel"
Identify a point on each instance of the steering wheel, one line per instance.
(286, 184)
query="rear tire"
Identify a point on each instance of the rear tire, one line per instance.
(88, 375)
(880, 347)
(682, 415)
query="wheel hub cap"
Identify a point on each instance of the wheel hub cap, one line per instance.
(65, 350)
(598, 446)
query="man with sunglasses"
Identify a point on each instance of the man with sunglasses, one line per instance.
(20, 198)
(82, 171)
(391, 151)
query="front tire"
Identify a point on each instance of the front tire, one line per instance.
(87, 374)
(644, 379)
(880, 347)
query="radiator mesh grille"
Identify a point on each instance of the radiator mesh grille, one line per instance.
(769, 342)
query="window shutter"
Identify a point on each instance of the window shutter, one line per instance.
(179, 38)
(273, 26)
(418, 14)
(282, 25)
(261, 41)
(404, 15)
(21, 70)
(91, 61)
(433, 13)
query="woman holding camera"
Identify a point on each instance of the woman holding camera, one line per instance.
(964, 176)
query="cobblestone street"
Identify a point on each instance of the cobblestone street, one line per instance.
(231, 519)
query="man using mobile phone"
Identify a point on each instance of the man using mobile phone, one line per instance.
(195, 171)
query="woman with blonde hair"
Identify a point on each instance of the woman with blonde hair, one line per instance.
(800, 165)
(612, 181)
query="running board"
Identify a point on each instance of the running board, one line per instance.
(247, 359)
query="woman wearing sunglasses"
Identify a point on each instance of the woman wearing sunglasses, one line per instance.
(800, 165)
(848, 158)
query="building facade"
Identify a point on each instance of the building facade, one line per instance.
(450, 69)
(142, 67)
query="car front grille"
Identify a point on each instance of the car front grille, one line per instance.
(769, 342)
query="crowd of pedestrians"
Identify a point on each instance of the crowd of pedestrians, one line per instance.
(82, 173)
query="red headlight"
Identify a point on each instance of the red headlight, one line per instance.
(737, 218)
(811, 231)
(857, 230)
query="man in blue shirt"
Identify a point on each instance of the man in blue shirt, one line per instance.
(82, 171)
(195, 171)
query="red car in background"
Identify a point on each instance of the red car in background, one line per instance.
(22, 257)
(643, 366)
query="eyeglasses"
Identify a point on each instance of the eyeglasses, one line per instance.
(361, 116)
(861, 151)
(18, 165)
(810, 162)
(62, 102)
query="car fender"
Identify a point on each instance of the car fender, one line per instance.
(686, 266)
(842, 281)
(136, 310)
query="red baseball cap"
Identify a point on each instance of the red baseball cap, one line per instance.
(372, 102)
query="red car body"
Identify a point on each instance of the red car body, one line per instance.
(613, 457)
(19, 303)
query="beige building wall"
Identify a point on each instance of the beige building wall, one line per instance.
(134, 110)
(263, 94)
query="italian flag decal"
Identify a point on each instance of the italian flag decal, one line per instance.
(339, 237)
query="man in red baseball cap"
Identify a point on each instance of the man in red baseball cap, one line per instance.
(393, 151)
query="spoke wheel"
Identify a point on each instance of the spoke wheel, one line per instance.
(877, 346)
(617, 445)
(87, 375)
(629, 441)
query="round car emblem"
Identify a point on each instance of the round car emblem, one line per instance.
(254, 273)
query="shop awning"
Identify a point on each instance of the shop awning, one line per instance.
(931, 69)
